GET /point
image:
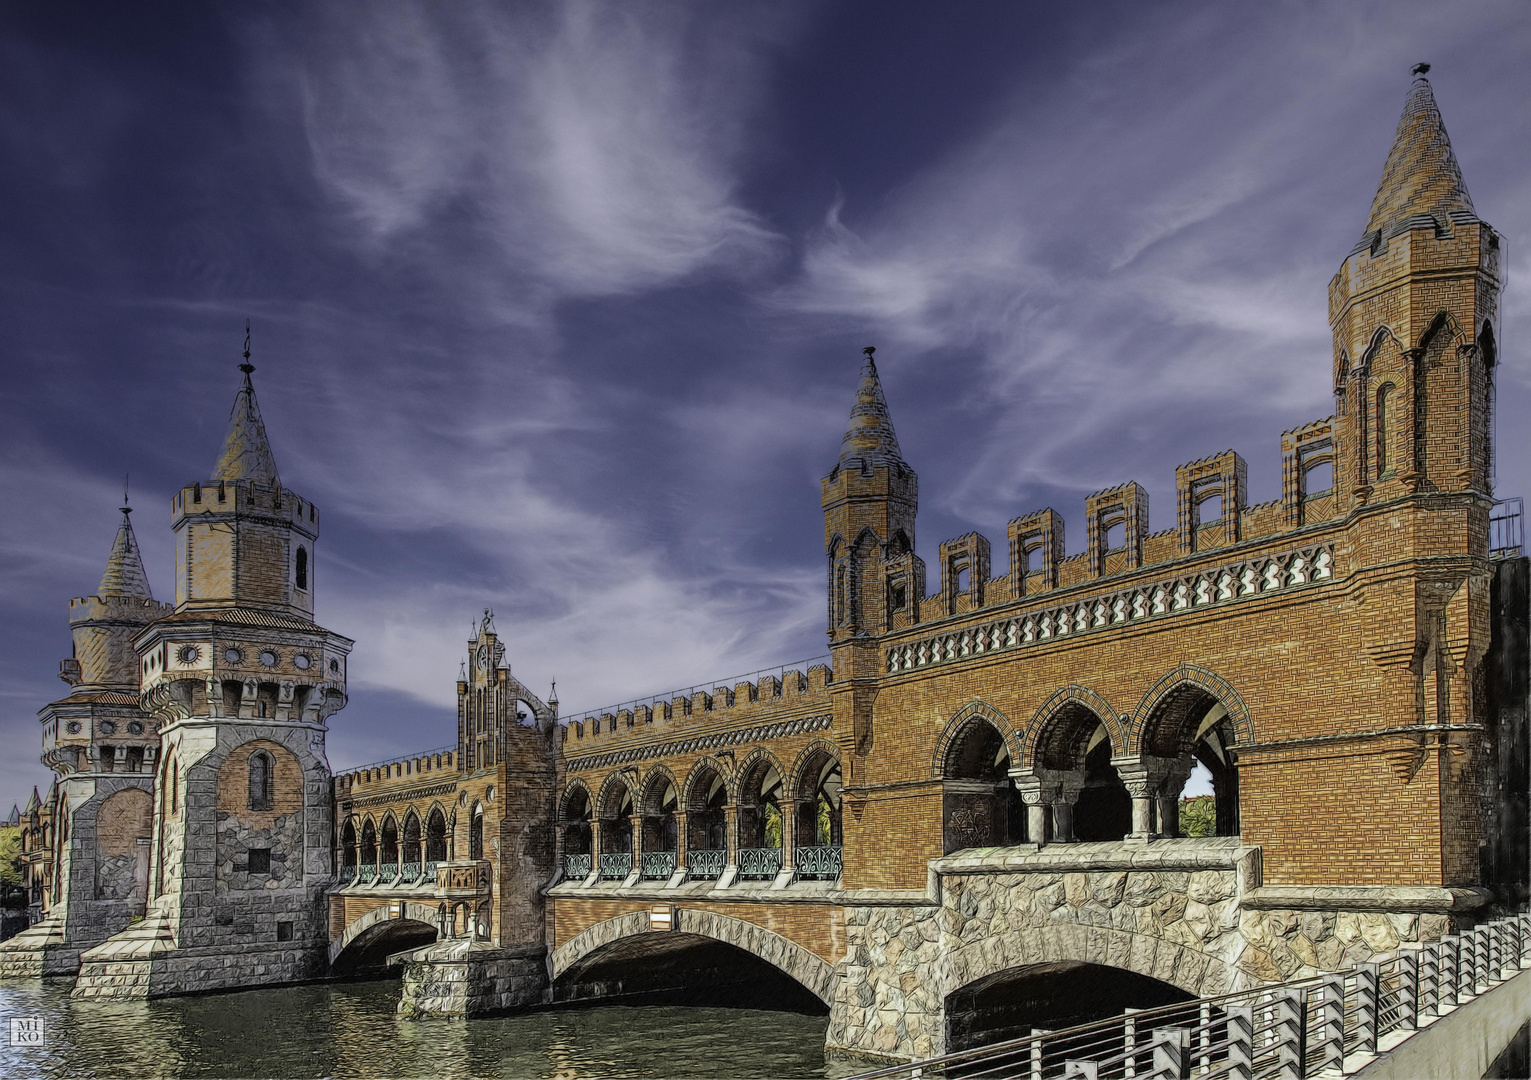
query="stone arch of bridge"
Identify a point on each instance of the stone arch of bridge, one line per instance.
(787, 956)
(1187, 969)
(365, 927)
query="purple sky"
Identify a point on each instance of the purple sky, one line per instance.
(558, 309)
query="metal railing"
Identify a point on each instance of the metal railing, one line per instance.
(658, 865)
(346, 874)
(1292, 1029)
(366, 874)
(818, 862)
(1505, 536)
(430, 870)
(616, 865)
(705, 864)
(779, 670)
(759, 862)
(411, 872)
(576, 867)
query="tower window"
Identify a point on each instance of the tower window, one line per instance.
(260, 860)
(1384, 399)
(302, 568)
(260, 780)
(196, 493)
(220, 491)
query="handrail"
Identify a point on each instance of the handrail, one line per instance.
(1293, 1028)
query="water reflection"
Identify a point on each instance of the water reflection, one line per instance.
(349, 1030)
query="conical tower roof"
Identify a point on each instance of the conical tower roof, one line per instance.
(1421, 178)
(869, 435)
(35, 801)
(246, 451)
(15, 818)
(124, 574)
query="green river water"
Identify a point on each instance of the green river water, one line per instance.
(349, 1030)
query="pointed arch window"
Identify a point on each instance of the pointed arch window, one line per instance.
(476, 834)
(262, 766)
(1384, 404)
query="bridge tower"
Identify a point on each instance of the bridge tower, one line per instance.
(1414, 311)
(241, 681)
(876, 581)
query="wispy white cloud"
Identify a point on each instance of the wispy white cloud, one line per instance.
(598, 144)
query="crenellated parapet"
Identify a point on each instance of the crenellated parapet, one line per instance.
(736, 707)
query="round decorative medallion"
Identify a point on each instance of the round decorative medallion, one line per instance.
(335, 667)
(301, 661)
(187, 654)
(108, 728)
(74, 727)
(233, 656)
(135, 728)
(268, 658)
(483, 657)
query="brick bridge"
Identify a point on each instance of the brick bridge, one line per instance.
(968, 821)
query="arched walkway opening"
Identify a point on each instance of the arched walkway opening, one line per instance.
(678, 968)
(817, 828)
(1012, 1003)
(616, 831)
(1190, 732)
(1087, 796)
(409, 854)
(706, 824)
(368, 851)
(574, 823)
(388, 854)
(980, 806)
(366, 955)
(436, 836)
(661, 830)
(348, 851)
(760, 820)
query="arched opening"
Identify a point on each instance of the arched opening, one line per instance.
(616, 832)
(476, 832)
(661, 832)
(760, 823)
(435, 837)
(817, 840)
(1318, 479)
(1011, 1003)
(1384, 404)
(678, 968)
(261, 768)
(980, 806)
(706, 825)
(348, 851)
(366, 957)
(368, 851)
(575, 815)
(1190, 727)
(388, 853)
(1089, 800)
(409, 854)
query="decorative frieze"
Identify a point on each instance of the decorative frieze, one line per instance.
(1257, 576)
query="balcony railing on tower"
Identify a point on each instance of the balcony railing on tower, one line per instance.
(1505, 536)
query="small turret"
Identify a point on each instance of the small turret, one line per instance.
(103, 626)
(869, 499)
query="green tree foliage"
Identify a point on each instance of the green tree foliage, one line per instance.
(1198, 816)
(772, 825)
(11, 876)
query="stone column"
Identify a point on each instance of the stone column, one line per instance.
(1174, 782)
(731, 842)
(1064, 798)
(788, 810)
(1037, 796)
(595, 851)
(1141, 777)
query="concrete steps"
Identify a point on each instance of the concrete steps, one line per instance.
(121, 966)
(38, 951)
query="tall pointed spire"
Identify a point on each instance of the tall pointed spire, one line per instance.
(124, 574)
(1421, 178)
(869, 435)
(246, 451)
